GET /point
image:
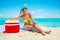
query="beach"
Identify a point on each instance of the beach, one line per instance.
(26, 35)
(45, 24)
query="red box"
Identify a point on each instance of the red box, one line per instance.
(12, 26)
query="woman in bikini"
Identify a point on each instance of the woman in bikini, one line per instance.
(29, 23)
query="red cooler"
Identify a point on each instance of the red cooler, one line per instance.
(12, 26)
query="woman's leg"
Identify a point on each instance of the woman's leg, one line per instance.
(27, 27)
(31, 27)
(40, 31)
(36, 29)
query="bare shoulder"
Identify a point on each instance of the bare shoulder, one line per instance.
(29, 13)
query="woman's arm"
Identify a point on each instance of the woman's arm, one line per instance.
(31, 18)
(19, 17)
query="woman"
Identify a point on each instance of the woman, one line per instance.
(29, 23)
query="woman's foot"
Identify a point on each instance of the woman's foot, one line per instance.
(47, 32)
(43, 34)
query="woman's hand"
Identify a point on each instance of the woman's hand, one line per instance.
(34, 22)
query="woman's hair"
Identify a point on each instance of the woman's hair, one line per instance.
(23, 9)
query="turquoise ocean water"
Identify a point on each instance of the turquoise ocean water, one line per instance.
(46, 22)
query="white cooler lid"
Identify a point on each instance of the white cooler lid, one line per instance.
(13, 21)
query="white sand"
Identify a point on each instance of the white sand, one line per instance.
(55, 35)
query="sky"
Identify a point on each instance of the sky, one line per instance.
(38, 8)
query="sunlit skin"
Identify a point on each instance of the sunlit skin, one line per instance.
(28, 26)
